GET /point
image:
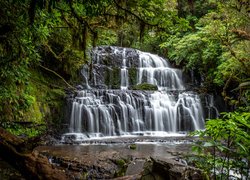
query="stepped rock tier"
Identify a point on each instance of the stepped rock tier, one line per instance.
(108, 105)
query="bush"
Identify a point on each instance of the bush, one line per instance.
(224, 146)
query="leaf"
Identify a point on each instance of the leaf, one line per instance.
(197, 149)
(242, 147)
(221, 148)
(208, 144)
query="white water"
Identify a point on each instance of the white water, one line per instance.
(156, 70)
(98, 112)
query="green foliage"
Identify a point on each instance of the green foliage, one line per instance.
(122, 167)
(120, 162)
(145, 86)
(194, 50)
(24, 130)
(217, 47)
(132, 146)
(224, 146)
(21, 48)
(132, 75)
(49, 98)
(107, 37)
(112, 78)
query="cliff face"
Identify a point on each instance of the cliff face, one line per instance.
(104, 71)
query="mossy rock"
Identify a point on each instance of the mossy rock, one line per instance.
(122, 167)
(132, 146)
(145, 86)
(112, 78)
(120, 162)
(132, 72)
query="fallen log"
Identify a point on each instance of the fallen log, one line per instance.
(31, 165)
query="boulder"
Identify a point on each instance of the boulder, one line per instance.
(171, 170)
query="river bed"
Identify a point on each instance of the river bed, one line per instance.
(100, 158)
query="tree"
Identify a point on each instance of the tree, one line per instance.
(218, 47)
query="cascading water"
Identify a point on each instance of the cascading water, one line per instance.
(115, 112)
(156, 70)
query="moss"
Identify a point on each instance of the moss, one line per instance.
(107, 77)
(26, 129)
(132, 146)
(34, 114)
(122, 167)
(132, 73)
(116, 78)
(106, 60)
(48, 95)
(84, 175)
(120, 162)
(112, 78)
(43, 105)
(145, 86)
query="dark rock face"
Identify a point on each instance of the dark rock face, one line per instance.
(113, 56)
(211, 108)
(104, 70)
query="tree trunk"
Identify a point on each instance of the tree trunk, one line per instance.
(31, 165)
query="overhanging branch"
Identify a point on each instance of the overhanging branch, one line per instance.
(133, 14)
(47, 69)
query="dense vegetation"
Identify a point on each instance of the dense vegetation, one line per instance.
(44, 43)
(223, 150)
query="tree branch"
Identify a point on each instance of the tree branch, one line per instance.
(133, 14)
(80, 19)
(53, 53)
(32, 165)
(241, 34)
(224, 93)
(47, 69)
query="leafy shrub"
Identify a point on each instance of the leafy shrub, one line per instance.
(224, 147)
(24, 130)
(145, 86)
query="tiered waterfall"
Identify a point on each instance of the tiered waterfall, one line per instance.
(108, 106)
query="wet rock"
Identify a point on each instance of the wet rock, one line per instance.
(170, 169)
(106, 64)
(79, 87)
(135, 167)
(113, 56)
(129, 177)
(112, 158)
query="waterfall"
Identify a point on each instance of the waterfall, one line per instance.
(156, 70)
(122, 111)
